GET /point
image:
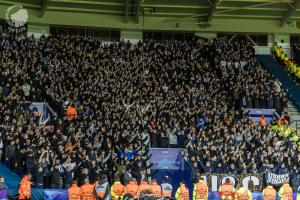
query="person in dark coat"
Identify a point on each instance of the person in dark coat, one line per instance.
(68, 177)
(39, 178)
(163, 141)
(55, 178)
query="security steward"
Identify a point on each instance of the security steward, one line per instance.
(132, 188)
(117, 190)
(74, 192)
(182, 192)
(102, 189)
(87, 190)
(226, 190)
(166, 188)
(155, 189)
(200, 191)
(269, 193)
(243, 193)
(25, 187)
(144, 186)
(286, 191)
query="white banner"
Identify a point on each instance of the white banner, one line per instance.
(277, 179)
(214, 181)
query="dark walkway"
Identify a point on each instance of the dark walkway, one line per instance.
(287, 83)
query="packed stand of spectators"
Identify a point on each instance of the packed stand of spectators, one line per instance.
(182, 94)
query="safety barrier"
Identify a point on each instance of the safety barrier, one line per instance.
(262, 50)
(63, 195)
(3, 194)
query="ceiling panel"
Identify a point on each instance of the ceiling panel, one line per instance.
(238, 9)
(86, 6)
(249, 12)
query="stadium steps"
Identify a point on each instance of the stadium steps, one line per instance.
(295, 117)
(275, 69)
(293, 111)
(293, 90)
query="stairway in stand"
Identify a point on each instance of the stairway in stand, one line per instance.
(281, 75)
(287, 83)
(295, 117)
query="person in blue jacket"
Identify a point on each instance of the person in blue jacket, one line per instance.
(129, 154)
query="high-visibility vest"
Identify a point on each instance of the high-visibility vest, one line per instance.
(200, 191)
(133, 189)
(274, 47)
(226, 191)
(101, 189)
(286, 60)
(295, 138)
(74, 192)
(294, 67)
(298, 72)
(282, 119)
(182, 193)
(290, 66)
(117, 191)
(269, 193)
(155, 189)
(144, 186)
(278, 52)
(287, 132)
(87, 192)
(166, 190)
(71, 112)
(25, 188)
(242, 194)
(287, 192)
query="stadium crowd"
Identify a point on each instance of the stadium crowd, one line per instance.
(182, 94)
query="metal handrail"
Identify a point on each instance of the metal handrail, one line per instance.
(297, 125)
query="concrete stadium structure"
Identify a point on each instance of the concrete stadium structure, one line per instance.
(278, 18)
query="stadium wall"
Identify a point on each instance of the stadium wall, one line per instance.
(38, 30)
(133, 36)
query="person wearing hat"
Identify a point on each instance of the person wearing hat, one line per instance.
(182, 192)
(166, 188)
(87, 190)
(269, 193)
(200, 190)
(102, 188)
(155, 189)
(132, 188)
(117, 190)
(74, 191)
(285, 191)
(226, 191)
